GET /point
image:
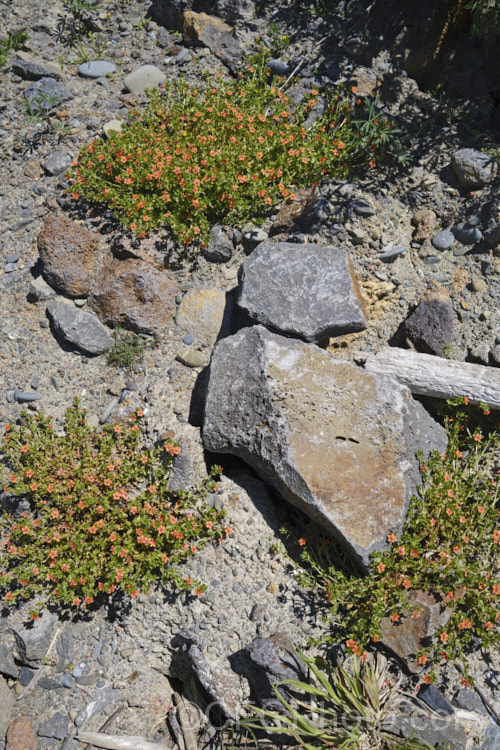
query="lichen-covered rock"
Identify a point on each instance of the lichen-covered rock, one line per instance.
(208, 31)
(305, 291)
(201, 313)
(335, 441)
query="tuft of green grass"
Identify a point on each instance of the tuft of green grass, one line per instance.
(13, 41)
(128, 349)
(450, 548)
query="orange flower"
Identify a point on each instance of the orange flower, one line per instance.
(381, 567)
(395, 617)
(391, 538)
(302, 541)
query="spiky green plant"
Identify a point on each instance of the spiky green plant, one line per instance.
(348, 709)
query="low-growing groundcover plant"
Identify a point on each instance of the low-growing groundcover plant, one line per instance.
(103, 520)
(450, 548)
(196, 156)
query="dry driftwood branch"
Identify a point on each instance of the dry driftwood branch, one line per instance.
(120, 741)
(428, 375)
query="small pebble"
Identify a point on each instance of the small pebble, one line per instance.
(393, 252)
(9, 267)
(443, 240)
(12, 259)
(26, 396)
(77, 671)
(108, 411)
(188, 339)
(478, 284)
(55, 382)
(67, 681)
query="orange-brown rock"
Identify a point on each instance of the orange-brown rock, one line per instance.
(134, 294)
(68, 254)
(20, 735)
(406, 636)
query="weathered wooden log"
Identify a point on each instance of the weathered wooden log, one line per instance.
(120, 741)
(427, 375)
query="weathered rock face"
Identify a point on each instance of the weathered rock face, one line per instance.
(20, 735)
(219, 37)
(298, 215)
(305, 291)
(409, 635)
(168, 13)
(336, 442)
(68, 253)
(474, 169)
(134, 294)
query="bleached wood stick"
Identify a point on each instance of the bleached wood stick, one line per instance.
(120, 741)
(428, 375)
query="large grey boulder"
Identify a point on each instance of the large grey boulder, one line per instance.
(78, 328)
(304, 291)
(337, 442)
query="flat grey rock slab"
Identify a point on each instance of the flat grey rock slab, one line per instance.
(337, 444)
(146, 77)
(96, 68)
(81, 329)
(305, 291)
(32, 71)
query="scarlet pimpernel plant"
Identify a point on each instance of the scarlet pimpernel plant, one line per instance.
(102, 520)
(225, 151)
(450, 548)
